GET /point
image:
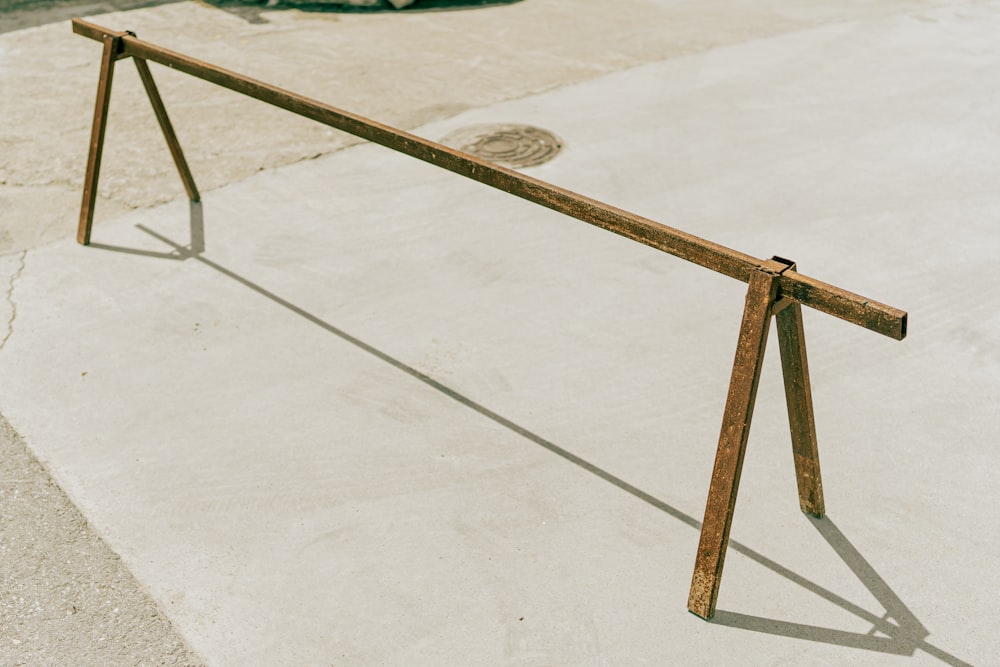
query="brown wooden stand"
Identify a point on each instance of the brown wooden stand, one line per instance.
(762, 301)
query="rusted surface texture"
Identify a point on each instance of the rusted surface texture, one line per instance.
(827, 298)
(168, 130)
(840, 303)
(707, 576)
(801, 419)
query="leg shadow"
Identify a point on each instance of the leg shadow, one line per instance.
(903, 633)
(180, 253)
(197, 228)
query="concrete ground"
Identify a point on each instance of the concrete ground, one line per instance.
(388, 416)
(65, 597)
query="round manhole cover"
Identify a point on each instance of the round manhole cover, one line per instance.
(513, 146)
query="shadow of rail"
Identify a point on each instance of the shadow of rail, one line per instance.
(903, 633)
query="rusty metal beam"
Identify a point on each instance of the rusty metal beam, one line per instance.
(816, 294)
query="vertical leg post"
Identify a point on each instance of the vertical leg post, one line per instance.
(167, 128)
(761, 295)
(798, 396)
(111, 47)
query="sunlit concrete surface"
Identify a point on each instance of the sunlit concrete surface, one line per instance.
(389, 416)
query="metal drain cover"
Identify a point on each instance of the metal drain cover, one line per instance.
(513, 146)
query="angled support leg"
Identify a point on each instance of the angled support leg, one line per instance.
(798, 396)
(168, 129)
(761, 295)
(111, 47)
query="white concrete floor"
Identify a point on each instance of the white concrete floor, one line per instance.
(389, 416)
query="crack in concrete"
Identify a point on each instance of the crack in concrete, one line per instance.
(10, 299)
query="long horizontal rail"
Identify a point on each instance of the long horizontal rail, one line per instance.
(816, 294)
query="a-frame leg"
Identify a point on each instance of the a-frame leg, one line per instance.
(168, 129)
(732, 443)
(798, 396)
(111, 47)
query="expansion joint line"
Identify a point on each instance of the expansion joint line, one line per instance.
(10, 299)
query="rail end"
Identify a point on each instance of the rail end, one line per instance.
(94, 31)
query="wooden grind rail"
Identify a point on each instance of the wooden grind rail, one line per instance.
(775, 287)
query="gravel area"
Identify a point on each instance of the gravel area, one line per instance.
(65, 597)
